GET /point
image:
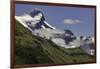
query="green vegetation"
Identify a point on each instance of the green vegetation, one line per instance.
(30, 49)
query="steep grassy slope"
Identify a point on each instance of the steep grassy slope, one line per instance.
(30, 49)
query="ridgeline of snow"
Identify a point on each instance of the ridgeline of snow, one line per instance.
(36, 23)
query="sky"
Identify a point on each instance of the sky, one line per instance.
(79, 20)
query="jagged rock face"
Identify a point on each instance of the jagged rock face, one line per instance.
(68, 31)
(69, 38)
(41, 23)
(87, 45)
(35, 12)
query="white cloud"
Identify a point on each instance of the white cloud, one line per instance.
(72, 21)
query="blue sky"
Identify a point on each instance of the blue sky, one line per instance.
(82, 19)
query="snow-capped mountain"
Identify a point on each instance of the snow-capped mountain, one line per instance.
(35, 21)
(37, 24)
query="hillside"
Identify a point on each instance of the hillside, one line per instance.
(30, 49)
